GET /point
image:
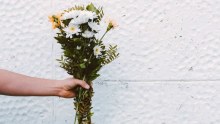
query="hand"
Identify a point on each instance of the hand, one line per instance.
(67, 87)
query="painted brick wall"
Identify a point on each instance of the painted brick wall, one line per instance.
(168, 71)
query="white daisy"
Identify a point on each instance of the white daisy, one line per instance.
(83, 17)
(89, 14)
(97, 51)
(94, 26)
(85, 60)
(70, 30)
(71, 14)
(78, 47)
(88, 34)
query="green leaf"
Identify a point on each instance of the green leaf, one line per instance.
(67, 21)
(93, 76)
(75, 39)
(111, 54)
(82, 65)
(67, 53)
(92, 8)
(61, 40)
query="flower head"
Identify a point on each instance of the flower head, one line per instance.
(78, 47)
(55, 20)
(97, 51)
(94, 26)
(79, 16)
(111, 24)
(88, 34)
(71, 30)
(70, 15)
(85, 60)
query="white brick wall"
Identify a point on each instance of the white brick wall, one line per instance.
(168, 71)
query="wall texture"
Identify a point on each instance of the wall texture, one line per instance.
(168, 71)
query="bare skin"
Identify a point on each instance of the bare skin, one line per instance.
(14, 84)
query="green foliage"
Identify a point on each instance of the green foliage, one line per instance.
(98, 11)
(66, 22)
(92, 8)
(76, 7)
(82, 65)
(111, 54)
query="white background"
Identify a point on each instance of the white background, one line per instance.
(167, 73)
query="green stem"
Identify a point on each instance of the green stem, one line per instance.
(80, 91)
(75, 118)
(103, 35)
(77, 106)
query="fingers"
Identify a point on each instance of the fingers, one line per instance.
(67, 94)
(82, 84)
(70, 95)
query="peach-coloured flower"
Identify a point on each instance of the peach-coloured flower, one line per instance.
(55, 20)
(111, 24)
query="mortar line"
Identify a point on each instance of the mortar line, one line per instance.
(193, 80)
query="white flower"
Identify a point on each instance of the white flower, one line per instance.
(97, 51)
(82, 17)
(88, 34)
(78, 47)
(71, 14)
(70, 30)
(94, 26)
(88, 14)
(85, 60)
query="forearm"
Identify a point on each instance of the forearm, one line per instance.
(21, 85)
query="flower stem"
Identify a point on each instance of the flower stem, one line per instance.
(103, 35)
(77, 106)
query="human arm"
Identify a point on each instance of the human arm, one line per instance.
(21, 85)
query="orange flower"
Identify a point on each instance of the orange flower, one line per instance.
(111, 24)
(55, 20)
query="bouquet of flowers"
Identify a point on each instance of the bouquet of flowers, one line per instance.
(83, 53)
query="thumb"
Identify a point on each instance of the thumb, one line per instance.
(82, 84)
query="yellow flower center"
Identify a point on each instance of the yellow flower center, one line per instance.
(72, 28)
